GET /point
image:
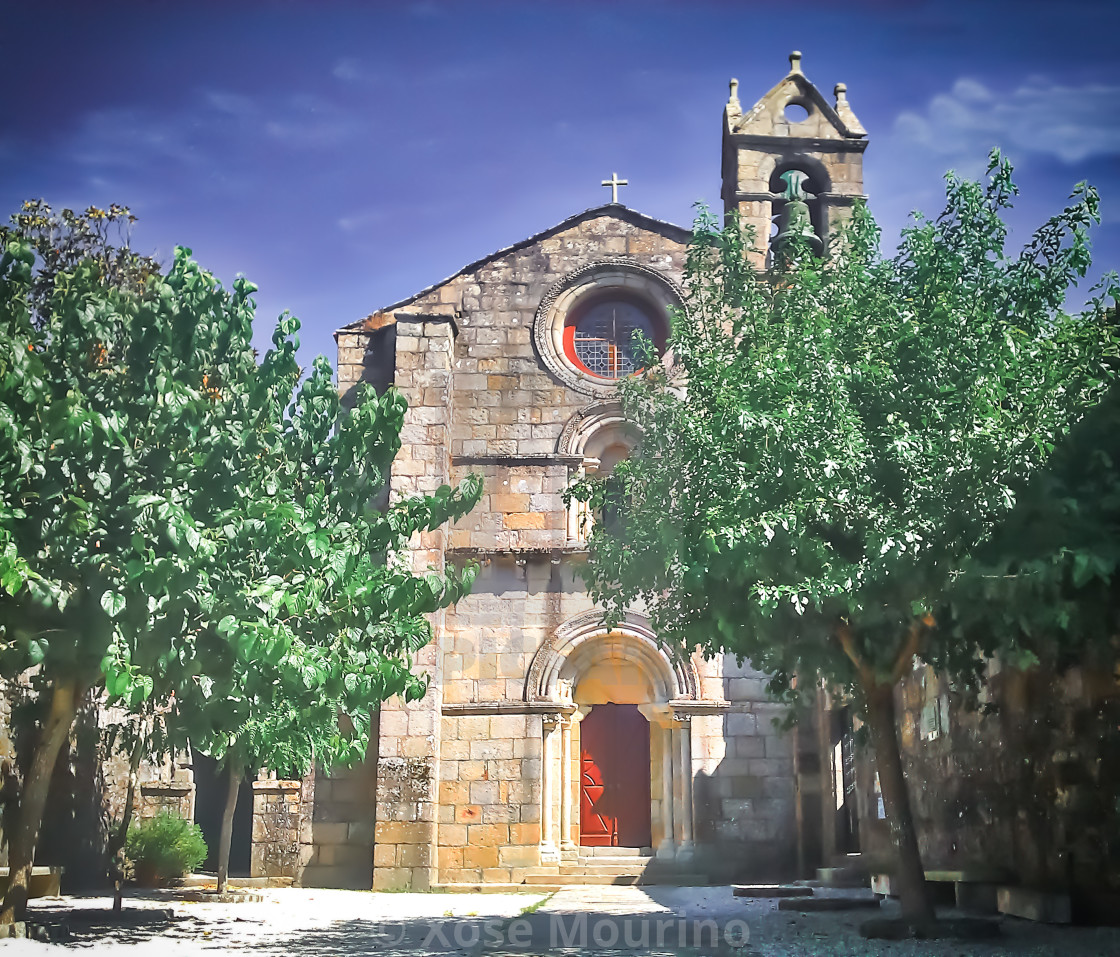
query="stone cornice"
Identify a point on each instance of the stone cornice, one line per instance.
(543, 458)
(507, 707)
(790, 143)
(539, 551)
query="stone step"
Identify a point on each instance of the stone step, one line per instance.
(464, 888)
(599, 862)
(770, 890)
(543, 870)
(615, 851)
(568, 879)
(667, 880)
(848, 876)
(606, 869)
(847, 860)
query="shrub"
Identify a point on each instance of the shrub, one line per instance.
(164, 847)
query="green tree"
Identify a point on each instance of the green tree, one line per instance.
(153, 544)
(834, 440)
(325, 621)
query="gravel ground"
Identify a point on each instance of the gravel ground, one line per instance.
(574, 921)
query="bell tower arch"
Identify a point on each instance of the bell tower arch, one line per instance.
(792, 129)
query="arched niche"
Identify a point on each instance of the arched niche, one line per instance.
(593, 441)
(817, 184)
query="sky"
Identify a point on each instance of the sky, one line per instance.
(345, 155)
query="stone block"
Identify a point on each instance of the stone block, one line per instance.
(385, 855)
(519, 856)
(492, 749)
(525, 834)
(475, 727)
(501, 813)
(330, 833)
(505, 770)
(415, 855)
(480, 856)
(976, 898)
(391, 878)
(468, 814)
(1035, 905)
(402, 832)
(416, 747)
(472, 770)
(508, 725)
(453, 835)
(487, 834)
(359, 832)
(484, 792)
(449, 859)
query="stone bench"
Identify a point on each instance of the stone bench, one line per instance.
(45, 881)
(975, 889)
(1049, 908)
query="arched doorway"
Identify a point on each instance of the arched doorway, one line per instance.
(614, 777)
(634, 756)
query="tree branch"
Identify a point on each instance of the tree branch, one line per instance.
(844, 635)
(910, 647)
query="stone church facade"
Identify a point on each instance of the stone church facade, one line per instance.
(549, 745)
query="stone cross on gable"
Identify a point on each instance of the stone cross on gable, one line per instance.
(614, 182)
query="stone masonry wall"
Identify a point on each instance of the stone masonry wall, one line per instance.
(1032, 787)
(744, 777)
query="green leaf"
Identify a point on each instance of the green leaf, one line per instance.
(113, 603)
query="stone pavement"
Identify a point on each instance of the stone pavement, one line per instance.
(578, 920)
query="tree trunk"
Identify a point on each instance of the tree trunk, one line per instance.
(913, 893)
(116, 846)
(21, 844)
(227, 826)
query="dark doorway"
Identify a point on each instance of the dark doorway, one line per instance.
(211, 787)
(843, 761)
(614, 777)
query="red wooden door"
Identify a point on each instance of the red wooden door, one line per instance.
(614, 777)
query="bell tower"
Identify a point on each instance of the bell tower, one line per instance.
(793, 129)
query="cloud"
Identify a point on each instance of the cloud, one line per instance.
(233, 103)
(360, 219)
(1039, 117)
(209, 130)
(309, 121)
(349, 70)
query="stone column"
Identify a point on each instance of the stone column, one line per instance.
(566, 843)
(549, 853)
(667, 847)
(406, 835)
(576, 510)
(686, 847)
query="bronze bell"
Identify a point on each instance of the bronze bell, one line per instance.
(796, 220)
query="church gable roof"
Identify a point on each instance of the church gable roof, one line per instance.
(768, 116)
(667, 229)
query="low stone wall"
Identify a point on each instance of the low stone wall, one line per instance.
(282, 828)
(155, 797)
